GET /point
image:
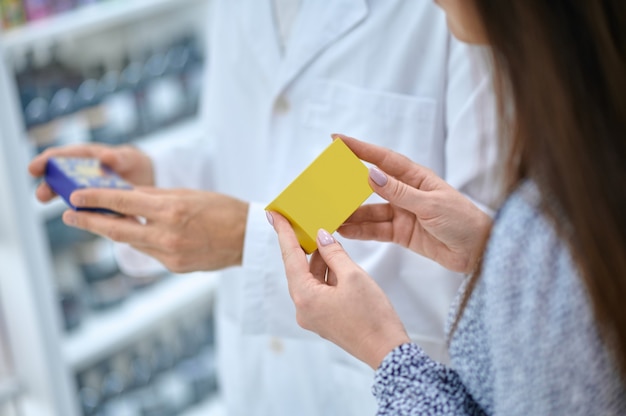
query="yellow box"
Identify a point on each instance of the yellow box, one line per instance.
(325, 194)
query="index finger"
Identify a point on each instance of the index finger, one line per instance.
(123, 201)
(395, 164)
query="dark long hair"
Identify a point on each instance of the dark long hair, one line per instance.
(561, 81)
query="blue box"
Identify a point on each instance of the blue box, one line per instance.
(67, 174)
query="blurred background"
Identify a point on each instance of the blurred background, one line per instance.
(77, 335)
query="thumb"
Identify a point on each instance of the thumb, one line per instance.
(333, 253)
(396, 192)
(294, 258)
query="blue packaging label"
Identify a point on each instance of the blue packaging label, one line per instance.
(90, 173)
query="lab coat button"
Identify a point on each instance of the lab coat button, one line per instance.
(276, 345)
(282, 105)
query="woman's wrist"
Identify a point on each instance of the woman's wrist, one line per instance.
(384, 347)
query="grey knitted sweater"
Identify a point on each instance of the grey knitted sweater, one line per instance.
(526, 343)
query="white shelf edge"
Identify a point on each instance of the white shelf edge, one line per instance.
(103, 333)
(213, 406)
(82, 20)
(184, 129)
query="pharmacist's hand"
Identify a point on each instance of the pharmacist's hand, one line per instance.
(127, 161)
(185, 230)
(337, 299)
(424, 213)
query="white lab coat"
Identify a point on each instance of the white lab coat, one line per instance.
(384, 71)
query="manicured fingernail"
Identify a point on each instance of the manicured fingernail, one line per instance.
(270, 218)
(378, 176)
(324, 238)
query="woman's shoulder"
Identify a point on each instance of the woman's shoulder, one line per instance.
(540, 322)
(525, 256)
(523, 204)
(523, 235)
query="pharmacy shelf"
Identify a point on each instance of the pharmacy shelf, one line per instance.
(108, 331)
(84, 20)
(44, 358)
(190, 129)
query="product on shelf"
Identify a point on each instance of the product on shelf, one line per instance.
(117, 376)
(156, 375)
(39, 76)
(120, 109)
(131, 81)
(164, 92)
(12, 13)
(89, 390)
(26, 76)
(18, 12)
(64, 105)
(71, 309)
(199, 373)
(175, 390)
(193, 73)
(61, 6)
(37, 9)
(89, 106)
(72, 127)
(69, 289)
(40, 127)
(106, 286)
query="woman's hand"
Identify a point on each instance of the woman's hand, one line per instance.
(336, 299)
(185, 230)
(424, 213)
(127, 161)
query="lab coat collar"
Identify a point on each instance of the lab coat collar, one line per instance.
(317, 26)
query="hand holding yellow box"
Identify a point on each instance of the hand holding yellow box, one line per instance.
(325, 194)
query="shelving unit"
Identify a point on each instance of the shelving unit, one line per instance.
(26, 289)
(139, 315)
(46, 357)
(87, 19)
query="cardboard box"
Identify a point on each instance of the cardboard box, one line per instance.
(65, 175)
(325, 194)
